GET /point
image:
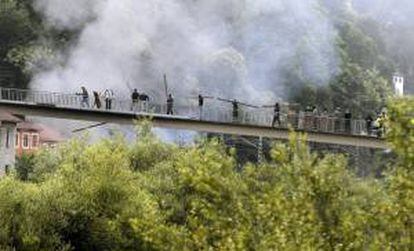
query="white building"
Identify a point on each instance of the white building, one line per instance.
(398, 82)
(8, 125)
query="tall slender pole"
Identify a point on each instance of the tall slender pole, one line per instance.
(166, 85)
(260, 151)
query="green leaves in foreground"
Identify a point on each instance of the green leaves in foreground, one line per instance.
(150, 195)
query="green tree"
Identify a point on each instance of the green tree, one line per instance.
(24, 166)
(400, 209)
(363, 80)
(361, 91)
(26, 42)
(114, 195)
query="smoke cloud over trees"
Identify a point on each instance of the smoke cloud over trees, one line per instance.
(236, 47)
(256, 51)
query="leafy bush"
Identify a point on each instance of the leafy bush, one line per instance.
(155, 196)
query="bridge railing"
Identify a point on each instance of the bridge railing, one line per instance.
(214, 113)
(40, 97)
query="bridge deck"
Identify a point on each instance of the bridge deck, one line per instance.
(185, 123)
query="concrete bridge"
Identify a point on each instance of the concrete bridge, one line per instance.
(251, 122)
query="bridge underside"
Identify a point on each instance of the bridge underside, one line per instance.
(183, 123)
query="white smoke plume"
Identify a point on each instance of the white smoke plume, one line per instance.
(391, 12)
(228, 48)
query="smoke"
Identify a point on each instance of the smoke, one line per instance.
(387, 11)
(397, 32)
(231, 48)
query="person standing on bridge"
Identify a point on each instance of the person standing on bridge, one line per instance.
(85, 97)
(316, 125)
(170, 105)
(276, 113)
(348, 121)
(144, 102)
(135, 100)
(381, 122)
(200, 105)
(97, 100)
(108, 96)
(337, 120)
(323, 120)
(235, 105)
(369, 124)
(201, 99)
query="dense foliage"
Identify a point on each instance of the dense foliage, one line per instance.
(150, 195)
(26, 42)
(363, 82)
(368, 54)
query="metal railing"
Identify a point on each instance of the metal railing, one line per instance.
(212, 113)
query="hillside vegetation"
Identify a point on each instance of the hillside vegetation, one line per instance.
(368, 50)
(151, 195)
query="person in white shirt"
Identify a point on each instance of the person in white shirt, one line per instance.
(108, 96)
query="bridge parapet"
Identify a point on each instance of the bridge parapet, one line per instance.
(209, 113)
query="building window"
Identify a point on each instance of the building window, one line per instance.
(17, 140)
(35, 140)
(25, 142)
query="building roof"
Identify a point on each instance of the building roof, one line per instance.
(29, 126)
(48, 134)
(8, 117)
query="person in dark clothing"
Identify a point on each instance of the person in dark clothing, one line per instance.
(97, 100)
(135, 100)
(276, 115)
(85, 97)
(144, 97)
(170, 105)
(235, 104)
(200, 105)
(144, 100)
(348, 121)
(369, 123)
(200, 100)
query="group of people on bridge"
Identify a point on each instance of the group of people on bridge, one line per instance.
(310, 119)
(107, 95)
(140, 101)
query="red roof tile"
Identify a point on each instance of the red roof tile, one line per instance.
(29, 126)
(8, 117)
(48, 134)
